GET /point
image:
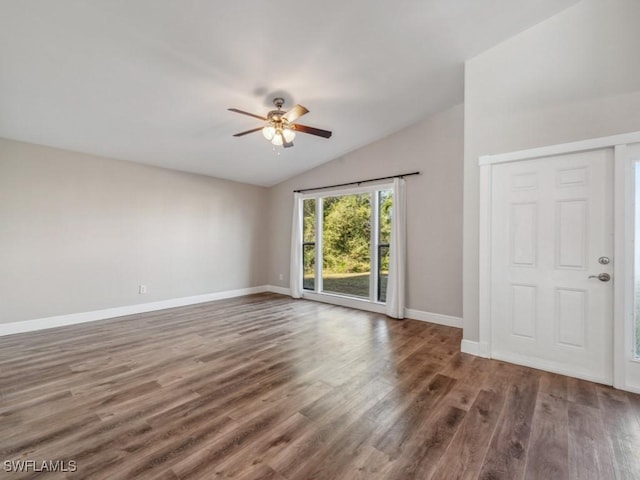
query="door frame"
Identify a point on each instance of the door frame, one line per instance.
(370, 304)
(622, 242)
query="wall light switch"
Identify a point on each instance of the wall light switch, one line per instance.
(142, 289)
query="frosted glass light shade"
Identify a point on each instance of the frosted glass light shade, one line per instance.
(268, 132)
(288, 134)
(277, 139)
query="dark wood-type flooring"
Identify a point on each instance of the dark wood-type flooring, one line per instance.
(265, 387)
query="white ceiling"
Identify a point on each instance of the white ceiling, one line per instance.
(150, 81)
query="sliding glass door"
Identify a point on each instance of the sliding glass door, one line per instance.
(349, 234)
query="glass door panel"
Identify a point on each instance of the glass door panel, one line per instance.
(309, 244)
(384, 239)
(346, 245)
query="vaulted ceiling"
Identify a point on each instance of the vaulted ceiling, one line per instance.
(150, 81)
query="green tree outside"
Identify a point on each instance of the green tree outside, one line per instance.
(346, 241)
(347, 234)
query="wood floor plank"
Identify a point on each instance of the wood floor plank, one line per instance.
(247, 461)
(582, 392)
(548, 452)
(395, 437)
(328, 428)
(266, 387)
(623, 432)
(429, 442)
(466, 453)
(554, 385)
(508, 448)
(590, 455)
(634, 403)
(369, 464)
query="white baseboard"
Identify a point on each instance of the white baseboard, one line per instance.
(628, 388)
(75, 318)
(280, 290)
(440, 319)
(547, 366)
(95, 315)
(343, 301)
(475, 348)
(482, 350)
(470, 347)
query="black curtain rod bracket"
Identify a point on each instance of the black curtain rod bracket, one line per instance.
(357, 183)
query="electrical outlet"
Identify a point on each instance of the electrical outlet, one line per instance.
(142, 289)
(281, 276)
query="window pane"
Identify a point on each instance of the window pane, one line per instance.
(384, 207)
(383, 272)
(309, 265)
(637, 261)
(346, 243)
(384, 235)
(309, 218)
(309, 244)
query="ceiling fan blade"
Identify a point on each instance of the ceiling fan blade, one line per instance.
(247, 113)
(295, 112)
(248, 131)
(312, 131)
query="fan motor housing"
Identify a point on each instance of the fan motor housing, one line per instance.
(275, 115)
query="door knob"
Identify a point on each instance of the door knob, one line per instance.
(603, 277)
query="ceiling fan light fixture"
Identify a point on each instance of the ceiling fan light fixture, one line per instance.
(288, 135)
(269, 131)
(277, 139)
(279, 127)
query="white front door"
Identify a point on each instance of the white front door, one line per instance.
(552, 235)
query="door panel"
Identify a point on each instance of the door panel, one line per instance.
(551, 221)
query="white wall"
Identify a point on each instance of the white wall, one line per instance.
(572, 77)
(80, 233)
(434, 206)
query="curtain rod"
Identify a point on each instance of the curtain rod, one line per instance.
(357, 183)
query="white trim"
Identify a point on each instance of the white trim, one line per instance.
(484, 307)
(470, 347)
(630, 388)
(92, 316)
(280, 290)
(622, 248)
(478, 349)
(627, 369)
(547, 366)
(344, 301)
(437, 318)
(562, 148)
(296, 252)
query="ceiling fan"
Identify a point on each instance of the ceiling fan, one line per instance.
(279, 127)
